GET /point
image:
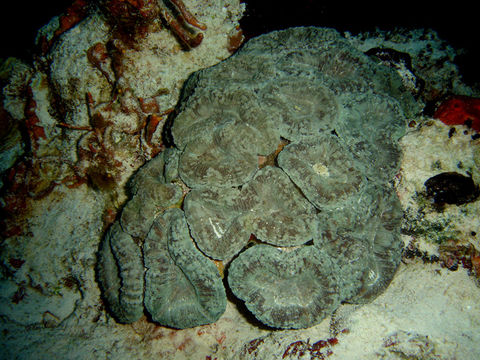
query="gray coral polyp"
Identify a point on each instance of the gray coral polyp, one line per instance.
(324, 218)
(182, 287)
(277, 285)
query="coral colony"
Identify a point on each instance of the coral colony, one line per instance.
(278, 171)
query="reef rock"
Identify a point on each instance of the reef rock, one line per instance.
(285, 152)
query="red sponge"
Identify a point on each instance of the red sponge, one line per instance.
(460, 110)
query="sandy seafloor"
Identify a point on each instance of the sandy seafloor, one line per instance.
(50, 304)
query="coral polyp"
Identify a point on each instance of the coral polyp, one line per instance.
(291, 142)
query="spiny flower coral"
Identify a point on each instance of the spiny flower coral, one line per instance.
(279, 168)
